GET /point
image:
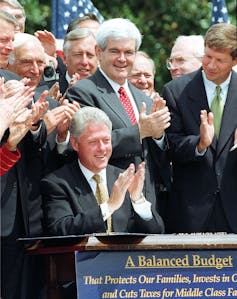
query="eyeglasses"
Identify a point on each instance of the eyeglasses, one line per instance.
(178, 61)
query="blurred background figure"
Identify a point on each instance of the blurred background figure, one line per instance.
(14, 8)
(143, 74)
(8, 25)
(186, 55)
(89, 21)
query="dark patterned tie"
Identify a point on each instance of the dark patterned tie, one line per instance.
(217, 110)
(102, 196)
(127, 105)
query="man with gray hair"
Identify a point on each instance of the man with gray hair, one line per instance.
(186, 55)
(88, 195)
(136, 135)
(79, 55)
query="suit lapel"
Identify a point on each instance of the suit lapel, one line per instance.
(111, 176)
(110, 98)
(80, 185)
(197, 96)
(229, 118)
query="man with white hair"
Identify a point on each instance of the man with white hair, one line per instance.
(28, 58)
(186, 55)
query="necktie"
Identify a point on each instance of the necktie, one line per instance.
(127, 105)
(217, 110)
(102, 196)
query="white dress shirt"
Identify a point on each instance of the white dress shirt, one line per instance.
(210, 88)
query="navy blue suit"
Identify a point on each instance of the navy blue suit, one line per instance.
(200, 182)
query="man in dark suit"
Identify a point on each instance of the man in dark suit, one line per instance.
(204, 189)
(14, 188)
(70, 193)
(117, 43)
(19, 191)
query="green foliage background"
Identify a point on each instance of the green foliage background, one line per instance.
(159, 21)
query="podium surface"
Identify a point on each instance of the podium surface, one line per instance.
(60, 257)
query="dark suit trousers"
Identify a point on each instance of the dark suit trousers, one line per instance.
(217, 221)
(22, 276)
(12, 260)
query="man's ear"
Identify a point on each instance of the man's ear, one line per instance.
(74, 143)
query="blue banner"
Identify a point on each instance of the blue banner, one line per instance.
(157, 274)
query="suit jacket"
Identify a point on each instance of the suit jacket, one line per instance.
(71, 208)
(8, 75)
(46, 161)
(63, 84)
(97, 92)
(197, 181)
(20, 195)
(15, 183)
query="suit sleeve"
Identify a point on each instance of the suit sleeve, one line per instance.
(8, 159)
(182, 145)
(63, 214)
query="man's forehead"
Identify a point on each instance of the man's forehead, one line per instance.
(120, 41)
(4, 23)
(181, 50)
(24, 53)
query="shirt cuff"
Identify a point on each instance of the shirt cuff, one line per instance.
(160, 142)
(105, 210)
(197, 154)
(143, 209)
(62, 146)
(36, 132)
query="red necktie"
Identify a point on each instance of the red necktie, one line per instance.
(127, 105)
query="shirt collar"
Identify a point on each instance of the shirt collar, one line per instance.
(212, 86)
(68, 78)
(89, 174)
(114, 84)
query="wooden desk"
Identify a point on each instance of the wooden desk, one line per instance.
(59, 254)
